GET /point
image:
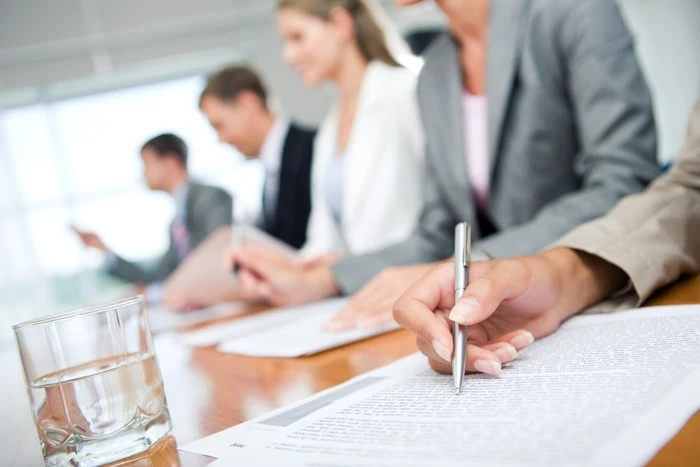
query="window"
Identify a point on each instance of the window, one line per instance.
(76, 162)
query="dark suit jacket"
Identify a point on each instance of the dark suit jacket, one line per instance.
(294, 193)
(208, 208)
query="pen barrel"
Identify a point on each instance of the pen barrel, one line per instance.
(461, 278)
(459, 355)
(458, 294)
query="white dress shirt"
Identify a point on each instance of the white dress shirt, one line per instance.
(334, 186)
(271, 158)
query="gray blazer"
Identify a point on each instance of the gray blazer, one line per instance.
(208, 208)
(571, 131)
(653, 236)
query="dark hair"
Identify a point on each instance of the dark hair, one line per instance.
(168, 145)
(228, 83)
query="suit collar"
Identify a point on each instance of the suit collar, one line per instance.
(376, 86)
(506, 30)
(442, 76)
(271, 149)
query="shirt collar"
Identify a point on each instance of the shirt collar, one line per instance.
(180, 195)
(271, 150)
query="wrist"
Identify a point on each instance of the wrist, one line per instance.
(325, 283)
(583, 279)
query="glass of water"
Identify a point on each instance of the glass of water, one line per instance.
(93, 382)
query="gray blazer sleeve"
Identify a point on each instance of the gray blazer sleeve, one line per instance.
(613, 110)
(652, 236)
(432, 241)
(140, 274)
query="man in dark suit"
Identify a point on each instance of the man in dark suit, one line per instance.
(200, 210)
(235, 103)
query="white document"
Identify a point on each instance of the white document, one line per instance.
(246, 234)
(162, 319)
(603, 390)
(285, 332)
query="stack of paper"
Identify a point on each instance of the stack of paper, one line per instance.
(284, 332)
(603, 390)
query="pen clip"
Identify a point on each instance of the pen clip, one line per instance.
(463, 242)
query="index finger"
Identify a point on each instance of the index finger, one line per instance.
(415, 310)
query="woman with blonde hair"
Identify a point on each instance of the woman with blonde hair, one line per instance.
(368, 156)
(369, 153)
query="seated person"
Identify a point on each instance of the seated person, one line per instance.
(200, 210)
(369, 155)
(647, 241)
(235, 103)
(537, 119)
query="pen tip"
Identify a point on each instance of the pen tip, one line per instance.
(457, 391)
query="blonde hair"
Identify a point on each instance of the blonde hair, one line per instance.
(370, 36)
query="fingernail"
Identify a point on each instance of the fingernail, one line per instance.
(523, 340)
(442, 351)
(506, 354)
(463, 309)
(488, 366)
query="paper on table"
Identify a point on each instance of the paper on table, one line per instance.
(603, 390)
(285, 332)
(162, 319)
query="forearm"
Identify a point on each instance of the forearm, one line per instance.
(136, 273)
(582, 279)
(352, 273)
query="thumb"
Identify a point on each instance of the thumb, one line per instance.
(502, 281)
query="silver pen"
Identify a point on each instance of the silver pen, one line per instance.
(463, 247)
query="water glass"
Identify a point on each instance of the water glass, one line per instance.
(94, 385)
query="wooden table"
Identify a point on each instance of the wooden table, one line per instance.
(208, 391)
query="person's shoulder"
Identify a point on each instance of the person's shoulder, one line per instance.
(563, 10)
(399, 74)
(208, 191)
(559, 7)
(391, 83)
(580, 27)
(442, 46)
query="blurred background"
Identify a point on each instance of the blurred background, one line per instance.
(83, 83)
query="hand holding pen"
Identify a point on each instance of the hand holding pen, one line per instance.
(506, 304)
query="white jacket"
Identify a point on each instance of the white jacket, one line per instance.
(384, 161)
